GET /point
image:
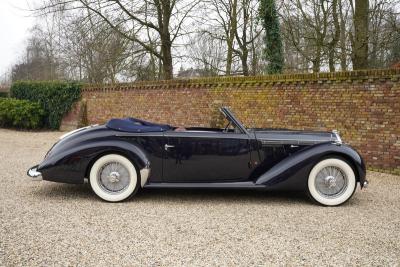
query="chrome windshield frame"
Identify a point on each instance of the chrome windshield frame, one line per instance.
(231, 117)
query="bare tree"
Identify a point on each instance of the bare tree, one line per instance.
(310, 39)
(125, 40)
(91, 50)
(335, 35)
(246, 33)
(207, 53)
(234, 23)
(343, 36)
(39, 61)
(143, 22)
(222, 25)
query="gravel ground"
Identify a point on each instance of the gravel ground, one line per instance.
(45, 224)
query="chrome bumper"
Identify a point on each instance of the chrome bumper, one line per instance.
(32, 172)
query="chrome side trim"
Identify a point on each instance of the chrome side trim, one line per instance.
(291, 141)
(77, 130)
(144, 174)
(226, 185)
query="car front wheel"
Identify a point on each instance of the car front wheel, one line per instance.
(113, 178)
(331, 182)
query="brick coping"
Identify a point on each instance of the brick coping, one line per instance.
(212, 82)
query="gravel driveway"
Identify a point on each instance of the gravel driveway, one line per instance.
(44, 223)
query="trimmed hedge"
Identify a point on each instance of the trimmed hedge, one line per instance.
(55, 97)
(20, 113)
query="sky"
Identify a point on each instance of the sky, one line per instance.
(15, 21)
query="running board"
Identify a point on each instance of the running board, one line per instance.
(238, 185)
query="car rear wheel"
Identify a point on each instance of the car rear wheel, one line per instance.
(113, 178)
(331, 182)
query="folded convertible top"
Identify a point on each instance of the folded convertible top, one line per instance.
(136, 126)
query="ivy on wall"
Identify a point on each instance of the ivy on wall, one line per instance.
(55, 97)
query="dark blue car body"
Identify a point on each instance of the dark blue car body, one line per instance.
(200, 157)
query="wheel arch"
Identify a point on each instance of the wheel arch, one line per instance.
(113, 151)
(348, 159)
(132, 152)
(72, 163)
(292, 172)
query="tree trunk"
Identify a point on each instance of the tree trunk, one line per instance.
(254, 60)
(164, 16)
(167, 66)
(335, 37)
(316, 62)
(245, 67)
(343, 54)
(360, 48)
(316, 65)
(231, 37)
(229, 57)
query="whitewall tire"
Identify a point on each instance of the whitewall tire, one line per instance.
(114, 178)
(331, 182)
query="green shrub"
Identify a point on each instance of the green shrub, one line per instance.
(55, 97)
(20, 113)
(3, 94)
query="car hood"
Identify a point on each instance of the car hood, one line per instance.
(295, 137)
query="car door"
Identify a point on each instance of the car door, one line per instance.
(206, 157)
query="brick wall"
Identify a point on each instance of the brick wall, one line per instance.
(363, 105)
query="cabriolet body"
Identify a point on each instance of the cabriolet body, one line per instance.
(124, 155)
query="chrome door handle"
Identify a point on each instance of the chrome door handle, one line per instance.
(168, 146)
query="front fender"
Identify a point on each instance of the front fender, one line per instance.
(70, 164)
(292, 172)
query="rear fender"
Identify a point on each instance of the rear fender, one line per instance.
(293, 171)
(72, 164)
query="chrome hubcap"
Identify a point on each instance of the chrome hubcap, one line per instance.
(113, 177)
(331, 182)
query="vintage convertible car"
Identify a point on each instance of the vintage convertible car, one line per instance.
(124, 155)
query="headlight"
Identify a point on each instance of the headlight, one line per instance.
(338, 139)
